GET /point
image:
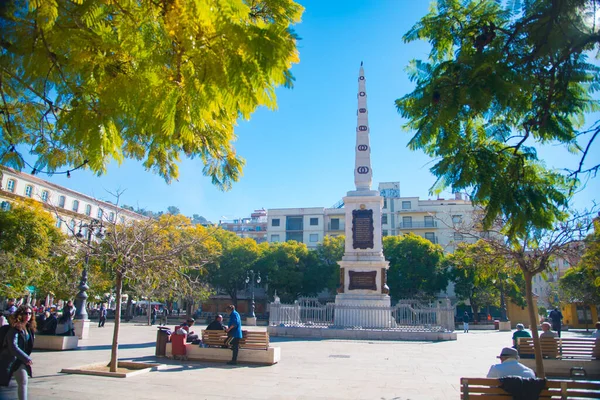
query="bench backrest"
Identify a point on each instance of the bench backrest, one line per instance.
(250, 340)
(489, 388)
(563, 348)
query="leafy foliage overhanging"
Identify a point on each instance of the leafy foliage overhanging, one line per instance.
(87, 81)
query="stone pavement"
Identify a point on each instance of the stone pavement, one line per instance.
(310, 369)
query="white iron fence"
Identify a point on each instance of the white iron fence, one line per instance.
(406, 315)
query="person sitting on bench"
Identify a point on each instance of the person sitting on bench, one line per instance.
(217, 324)
(191, 335)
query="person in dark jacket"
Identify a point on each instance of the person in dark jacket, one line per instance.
(217, 324)
(102, 319)
(466, 322)
(50, 325)
(15, 355)
(556, 318)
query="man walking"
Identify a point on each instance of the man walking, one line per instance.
(234, 331)
(556, 318)
(102, 319)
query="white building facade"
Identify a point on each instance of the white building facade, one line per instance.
(71, 209)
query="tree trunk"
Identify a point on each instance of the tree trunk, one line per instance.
(115, 343)
(475, 309)
(128, 308)
(533, 321)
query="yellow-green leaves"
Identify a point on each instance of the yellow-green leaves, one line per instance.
(102, 80)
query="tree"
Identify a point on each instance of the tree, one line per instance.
(28, 246)
(185, 72)
(418, 268)
(165, 250)
(327, 269)
(229, 270)
(199, 219)
(578, 286)
(173, 210)
(496, 85)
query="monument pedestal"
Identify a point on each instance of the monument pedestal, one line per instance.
(82, 328)
(365, 311)
(504, 326)
(250, 321)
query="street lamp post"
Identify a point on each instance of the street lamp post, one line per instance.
(250, 278)
(81, 297)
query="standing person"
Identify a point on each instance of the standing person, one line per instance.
(17, 346)
(556, 318)
(102, 319)
(234, 331)
(68, 314)
(165, 316)
(153, 315)
(596, 333)
(466, 322)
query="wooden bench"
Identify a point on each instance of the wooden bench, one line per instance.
(489, 388)
(564, 357)
(562, 348)
(251, 339)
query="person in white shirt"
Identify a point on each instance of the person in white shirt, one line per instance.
(510, 366)
(596, 333)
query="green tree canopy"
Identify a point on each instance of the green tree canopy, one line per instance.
(29, 245)
(418, 268)
(496, 85)
(86, 81)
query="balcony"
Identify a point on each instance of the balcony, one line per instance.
(417, 225)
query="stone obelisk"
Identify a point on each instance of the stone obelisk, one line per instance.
(363, 298)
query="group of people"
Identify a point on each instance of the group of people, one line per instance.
(233, 330)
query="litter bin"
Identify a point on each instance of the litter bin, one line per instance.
(162, 337)
(496, 324)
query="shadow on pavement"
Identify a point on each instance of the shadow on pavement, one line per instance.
(121, 346)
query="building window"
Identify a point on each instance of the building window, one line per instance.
(458, 236)
(335, 224)
(61, 201)
(5, 206)
(457, 219)
(297, 236)
(58, 223)
(10, 186)
(45, 195)
(76, 205)
(122, 219)
(314, 221)
(111, 217)
(275, 222)
(406, 205)
(294, 224)
(584, 315)
(100, 213)
(385, 232)
(431, 237)
(407, 222)
(384, 219)
(88, 210)
(28, 190)
(72, 226)
(384, 202)
(314, 237)
(274, 238)
(429, 222)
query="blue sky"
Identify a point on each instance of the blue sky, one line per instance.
(302, 154)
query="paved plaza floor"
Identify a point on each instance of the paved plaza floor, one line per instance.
(309, 369)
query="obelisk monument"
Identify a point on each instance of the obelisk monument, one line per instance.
(363, 298)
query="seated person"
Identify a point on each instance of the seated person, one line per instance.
(217, 324)
(191, 335)
(548, 350)
(547, 331)
(596, 333)
(509, 366)
(519, 333)
(50, 324)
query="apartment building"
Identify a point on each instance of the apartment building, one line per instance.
(434, 220)
(254, 227)
(70, 208)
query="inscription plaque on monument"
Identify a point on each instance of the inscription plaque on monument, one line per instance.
(362, 229)
(363, 280)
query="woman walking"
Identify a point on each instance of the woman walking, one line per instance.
(16, 348)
